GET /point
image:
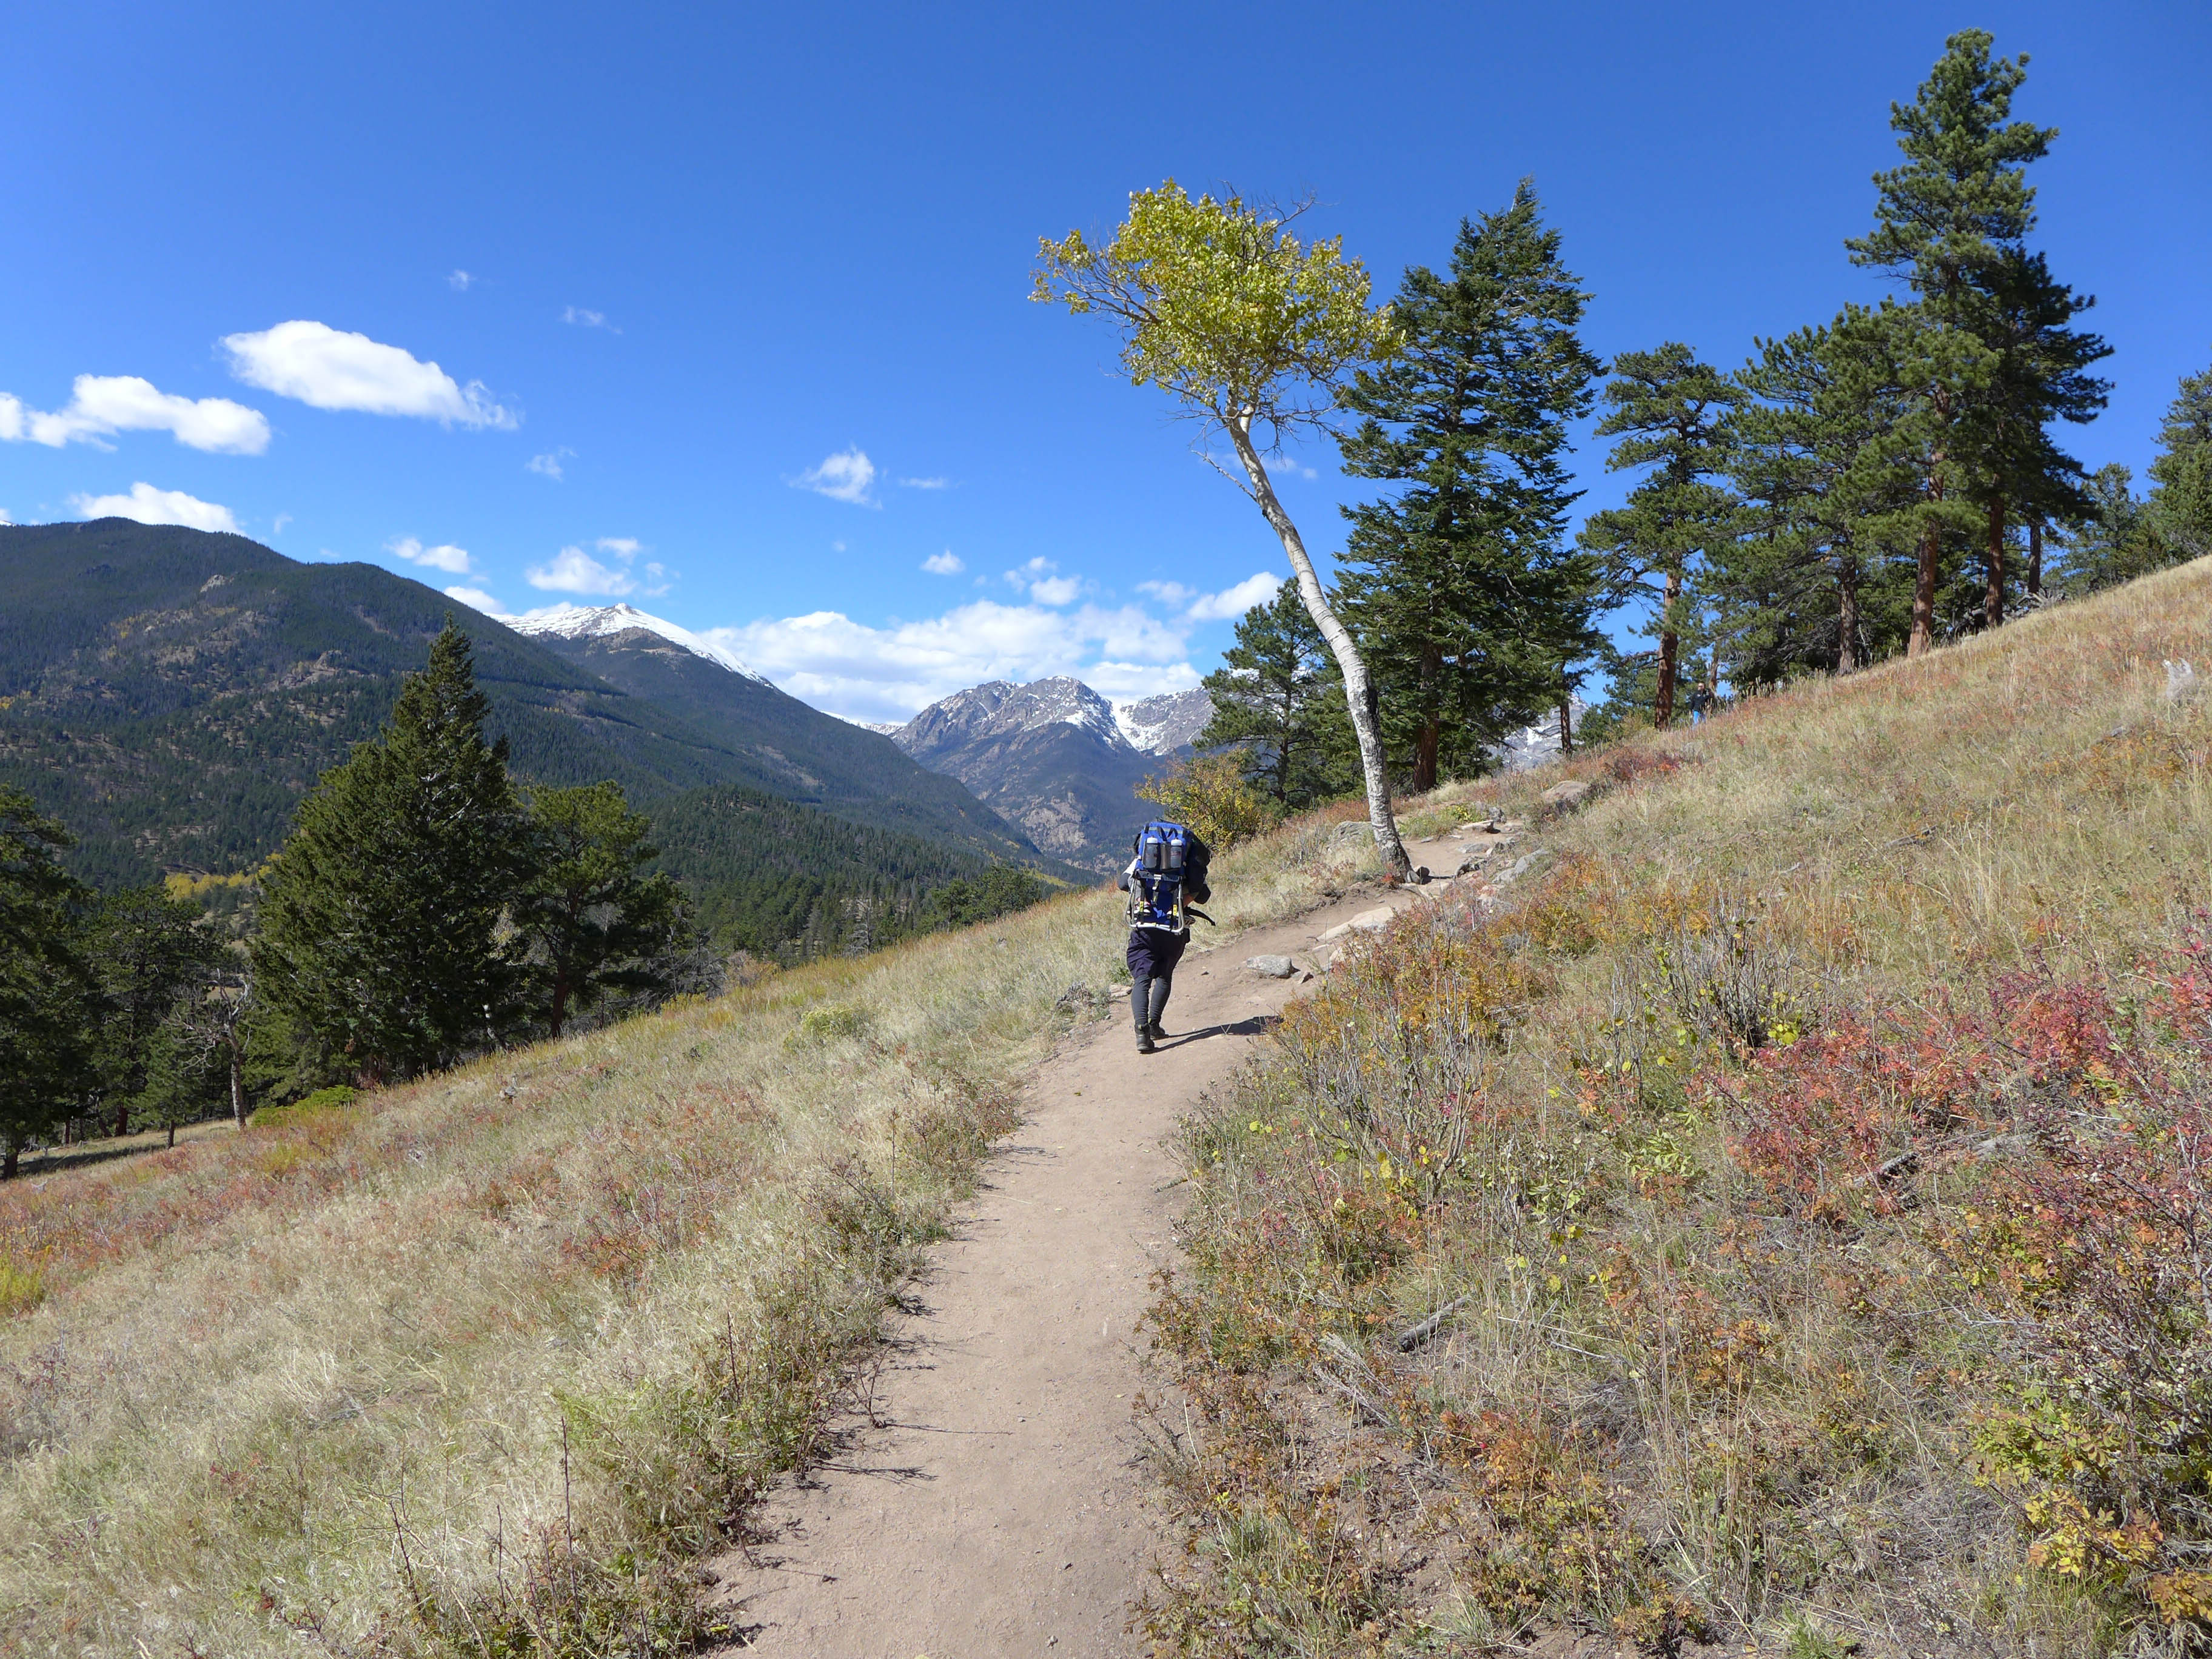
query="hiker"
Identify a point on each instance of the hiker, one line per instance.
(1166, 871)
(1701, 703)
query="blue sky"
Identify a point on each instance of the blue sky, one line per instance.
(680, 268)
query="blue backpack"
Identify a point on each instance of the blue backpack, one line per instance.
(1155, 890)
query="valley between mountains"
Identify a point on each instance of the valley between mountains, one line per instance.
(171, 695)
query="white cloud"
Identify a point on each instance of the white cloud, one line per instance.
(477, 599)
(150, 506)
(580, 317)
(100, 405)
(571, 570)
(4, 519)
(549, 465)
(1232, 602)
(881, 673)
(453, 561)
(1169, 593)
(847, 476)
(327, 370)
(276, 525)
(947, 563)
(926, 483)
(625, 548)
(1037, 579)
(459, 282)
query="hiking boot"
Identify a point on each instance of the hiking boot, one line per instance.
(1153, 1030)
(1145, 1042)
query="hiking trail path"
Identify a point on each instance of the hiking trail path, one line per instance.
(992, 1499)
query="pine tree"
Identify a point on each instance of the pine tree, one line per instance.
(46, 990)
(377, 949)
(146, 951)
(2181, 477)
(1276, 697)
(1674, 415)
(592, 920)
(1459, 585)
(2116, 541)
(1810, 582)
(1952, 224)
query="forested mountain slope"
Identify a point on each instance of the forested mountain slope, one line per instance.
(170, 694)
(786, 747)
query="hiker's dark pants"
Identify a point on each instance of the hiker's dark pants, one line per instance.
(1153, 953)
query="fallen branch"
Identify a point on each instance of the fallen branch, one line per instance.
(1411, 1339)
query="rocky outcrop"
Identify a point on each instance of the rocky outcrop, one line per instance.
(1056, 758)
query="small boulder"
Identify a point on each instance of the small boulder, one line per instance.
(2182, 682)
(1346, 835)
(1566, 794)
(1271, 967)
(1521, 866)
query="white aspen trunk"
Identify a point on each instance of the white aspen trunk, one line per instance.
(1357, 688)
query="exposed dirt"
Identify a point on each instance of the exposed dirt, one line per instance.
(990, 1501)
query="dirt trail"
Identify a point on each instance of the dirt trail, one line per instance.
(996, 1506)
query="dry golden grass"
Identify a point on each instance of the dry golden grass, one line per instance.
(1671, 1398)
(479, 1364)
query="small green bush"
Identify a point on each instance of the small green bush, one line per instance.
(305, 1109)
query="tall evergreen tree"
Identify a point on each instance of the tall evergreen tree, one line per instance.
(377, 947)
(2181, 477)
(46, 990)
(1459, 584)
(1792, 589)
(1674, 415)
(591, 918)
(147, 952)
(1276, 698)
(1951, 223)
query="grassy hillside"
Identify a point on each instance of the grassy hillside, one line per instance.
(1783, 1225)
(482, 1364)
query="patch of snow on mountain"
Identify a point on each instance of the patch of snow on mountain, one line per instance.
(1161, 723)
(586, 621)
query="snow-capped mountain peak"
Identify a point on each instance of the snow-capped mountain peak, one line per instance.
(1161, 723)
(586, 621)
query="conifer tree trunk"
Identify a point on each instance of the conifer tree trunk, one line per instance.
(1432, 726)
(1924, 595)
(1358, 688)
(1670, 644)
(237, 1094)
(1847, 617)
(1993, 604)
(2035, 558)
(1566, 720)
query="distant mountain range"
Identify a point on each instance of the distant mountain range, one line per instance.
(170, 695)
(1056, 758)
(775, 743)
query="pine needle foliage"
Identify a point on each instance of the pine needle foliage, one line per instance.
(1460, 584)
(378, 948)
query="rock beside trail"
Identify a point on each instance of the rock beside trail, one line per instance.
(1521, 866)
(1567, 794)
(1344, 834)
(1271, 967)
(1367, 922)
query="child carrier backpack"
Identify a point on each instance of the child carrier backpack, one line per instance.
(1169, 859)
